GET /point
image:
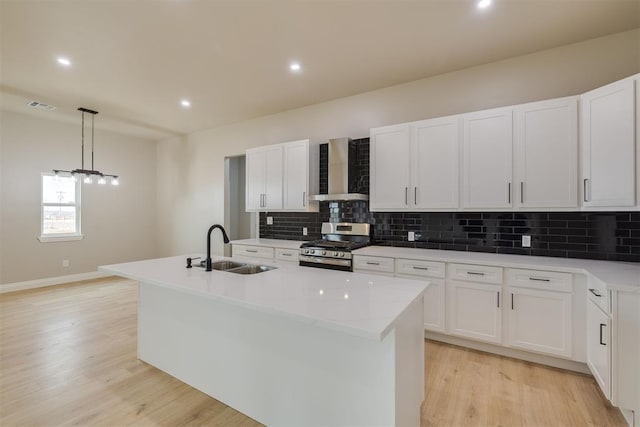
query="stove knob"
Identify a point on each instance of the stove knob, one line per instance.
(342, 254)
(335, 254)
(324, 252)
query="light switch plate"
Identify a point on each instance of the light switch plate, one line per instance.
(304, 231)
(526, 241)
(65, 263)
(269, 220)
(412, 236)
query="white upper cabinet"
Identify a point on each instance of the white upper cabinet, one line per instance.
(487, 159)
(607, 144)
(300, 174)
(546, 154)
(389, 167)
(280, 176)
(435, 159)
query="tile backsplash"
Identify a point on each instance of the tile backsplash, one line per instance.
(593, 235)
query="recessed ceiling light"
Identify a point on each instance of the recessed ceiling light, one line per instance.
(295, 67)
(483, 4)
(64, 61)
(185, 103)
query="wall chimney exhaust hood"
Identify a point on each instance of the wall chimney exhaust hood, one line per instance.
(343, 172)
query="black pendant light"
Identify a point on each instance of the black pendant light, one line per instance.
(87, 175)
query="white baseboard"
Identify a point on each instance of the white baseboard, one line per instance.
(555, 362)
(51, 281)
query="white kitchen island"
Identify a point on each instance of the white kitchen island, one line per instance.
(293, 346)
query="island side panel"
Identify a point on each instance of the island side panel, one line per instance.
(273, 368)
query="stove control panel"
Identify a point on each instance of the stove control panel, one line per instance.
(325, 253)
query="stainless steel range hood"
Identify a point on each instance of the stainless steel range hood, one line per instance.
(342, 172)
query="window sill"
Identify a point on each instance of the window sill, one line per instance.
(63, 238)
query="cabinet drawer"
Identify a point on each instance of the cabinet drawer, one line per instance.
(475, 273)
(253, 251)
(598, 293)
(535, 279)
(287, 254)
(412, 267)
(373, 263)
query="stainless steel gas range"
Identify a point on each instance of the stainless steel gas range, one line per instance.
(333, 251)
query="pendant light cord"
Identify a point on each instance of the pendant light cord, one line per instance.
(83, 140)
(92, 117)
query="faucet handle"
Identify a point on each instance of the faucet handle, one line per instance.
(189, 261)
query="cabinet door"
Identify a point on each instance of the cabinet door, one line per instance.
(487, 159)
(434, 305)
(296, 174)
(435, 158)
(598, 348)
(474, 311)
(608, 145)
(546, 154)
(255, 172)
(389, 170)
(273, 178)
(539, 321)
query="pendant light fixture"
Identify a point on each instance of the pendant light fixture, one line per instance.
(88, 175)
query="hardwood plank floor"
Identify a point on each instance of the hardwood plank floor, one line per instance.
(68, 357)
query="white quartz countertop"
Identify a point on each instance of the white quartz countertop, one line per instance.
(358, 304)
(620, 276)
(272, 243)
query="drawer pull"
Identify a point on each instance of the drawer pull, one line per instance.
(593, 291)
(538, 279)
(373, 263)
(601, 326)
(285, 254)
(512, 301)
(498, 299)
(253, 251)
(415, 267)
(475, 273)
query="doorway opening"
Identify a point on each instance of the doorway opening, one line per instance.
(239, 223)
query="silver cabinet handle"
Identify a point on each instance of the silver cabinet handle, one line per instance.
(593, 291)
(538, 279)
(509, 193)
(584, 190)
(304, 199)
(373, 263)
(415, 195)
(475, 273)
(285, 254)
(602, 325)
(498, 299)
(512, 301)
(406, 195)
(253, 251)
(415, 267)
(521, 191)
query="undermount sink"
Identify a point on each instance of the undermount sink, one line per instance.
(251, 269)
(226, 265)
(239, 267)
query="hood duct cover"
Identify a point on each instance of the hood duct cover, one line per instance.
(342, 176)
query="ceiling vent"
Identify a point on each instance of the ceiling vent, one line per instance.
(41, 106)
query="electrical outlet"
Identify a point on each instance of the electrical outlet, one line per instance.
(65, 263)
(412, 236)
(269, 220)
(304, 231)
(526, 241)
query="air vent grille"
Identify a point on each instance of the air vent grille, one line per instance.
(41, 106)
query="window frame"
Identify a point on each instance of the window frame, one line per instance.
(60, 237)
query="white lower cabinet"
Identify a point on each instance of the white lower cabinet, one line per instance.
(475, 311)
(598, 348)
(539, 321)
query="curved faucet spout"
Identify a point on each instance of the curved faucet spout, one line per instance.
(224, 237)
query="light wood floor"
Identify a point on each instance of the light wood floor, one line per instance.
(68, 357)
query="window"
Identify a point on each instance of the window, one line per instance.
(60, 209)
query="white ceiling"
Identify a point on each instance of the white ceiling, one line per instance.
(134, 61)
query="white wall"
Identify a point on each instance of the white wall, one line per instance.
(118, 223)
(192, 198)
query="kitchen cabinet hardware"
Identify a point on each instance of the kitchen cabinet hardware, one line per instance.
(539, 279)
(601, 326)
(584, 189)
(593, 291)
(406, 195)
(415, 195)
(509, 193)
(521, 191)
(415, 267)
(475, 273)
(253, 251)
(372, 263)
(498, 300)
(511, 300)
(304, 198)
(285, 254)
